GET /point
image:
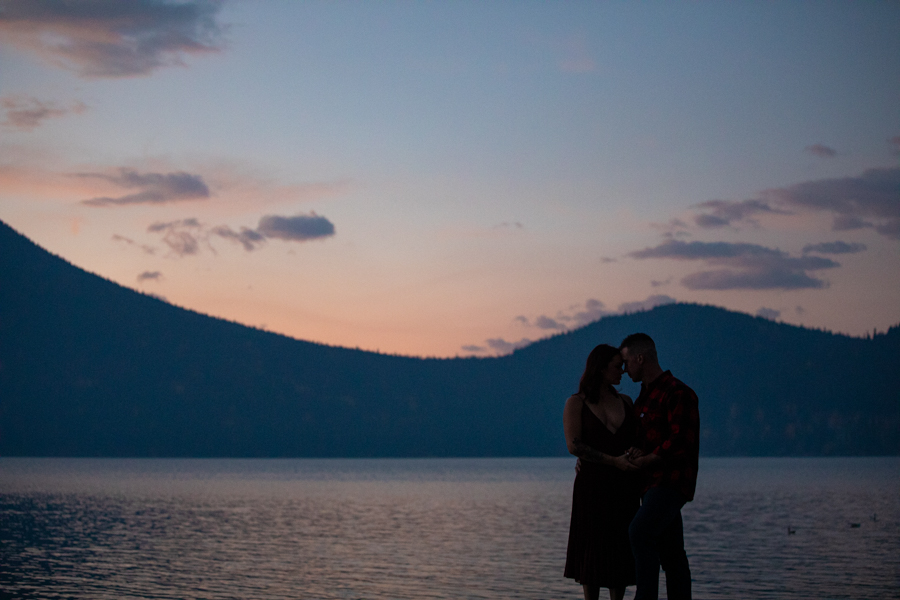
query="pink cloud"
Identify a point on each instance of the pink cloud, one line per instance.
(741, 266)
(110, 38)
(821, 151)
(152, 188)
(27, 113)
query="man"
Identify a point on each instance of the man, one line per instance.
(666, 450)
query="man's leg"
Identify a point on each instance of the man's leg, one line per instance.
(674, 561)
(660, 509)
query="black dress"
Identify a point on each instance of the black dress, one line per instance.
(604, 501)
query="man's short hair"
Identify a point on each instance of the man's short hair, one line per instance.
(640, 343)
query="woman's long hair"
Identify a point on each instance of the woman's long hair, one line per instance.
(592, 381)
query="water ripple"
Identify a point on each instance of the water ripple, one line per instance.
(420, 529)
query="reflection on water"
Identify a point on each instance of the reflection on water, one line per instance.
(430, 528)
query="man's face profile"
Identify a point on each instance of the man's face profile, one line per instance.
(633, 364)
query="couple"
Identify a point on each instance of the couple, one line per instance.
(637, 466)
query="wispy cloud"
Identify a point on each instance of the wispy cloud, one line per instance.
(723, 213)
(593, 310)
(495, 346)
(509, 225)
(111, 38)
(234, 185)
(473, 348)
(579, 315)
(573, 317)
(874, 195)
(27, 113)
(545, 322)
(702, 250)
(821, 150)
(186, 237)
(768, 313)
(501, 346)
(774, 277)
(183, 237)
(746, 266)
(299, 228)
(673, 229)
(147, 249)
(248, 238)
(154, 188)
(32, 175)
(849, 223)
(834, 248)
(870, 200)
(149, 276)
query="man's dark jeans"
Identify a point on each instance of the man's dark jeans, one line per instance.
(657, 538)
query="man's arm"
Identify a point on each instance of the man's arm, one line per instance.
(684, 425)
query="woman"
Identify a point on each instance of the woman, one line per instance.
(600, 425)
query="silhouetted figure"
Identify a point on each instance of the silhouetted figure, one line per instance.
(600, 425)
(666, 451)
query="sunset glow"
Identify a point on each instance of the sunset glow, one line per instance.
(443, 179)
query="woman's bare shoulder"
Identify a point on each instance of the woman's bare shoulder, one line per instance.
(627, 399)
(575, 400)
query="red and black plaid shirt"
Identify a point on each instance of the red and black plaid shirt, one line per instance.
(669, 426)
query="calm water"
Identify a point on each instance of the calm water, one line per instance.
(429, 528)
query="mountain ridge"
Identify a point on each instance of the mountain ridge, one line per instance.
(91, 368)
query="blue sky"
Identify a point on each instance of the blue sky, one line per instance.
(459, 178)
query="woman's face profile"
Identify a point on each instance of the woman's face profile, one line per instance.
(613, 371)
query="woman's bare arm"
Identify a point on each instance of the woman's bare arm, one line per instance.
(572, 423)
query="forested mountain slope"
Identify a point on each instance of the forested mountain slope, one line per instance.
(90, 368)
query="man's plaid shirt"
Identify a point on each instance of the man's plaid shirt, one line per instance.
(669, 426)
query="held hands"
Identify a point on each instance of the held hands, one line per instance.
(633, 460)
(623, 463)
(633, 453)
(640, 460)
(620, 462)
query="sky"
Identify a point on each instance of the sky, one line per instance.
(461, 178)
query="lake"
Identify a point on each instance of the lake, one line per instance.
(422, 528)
